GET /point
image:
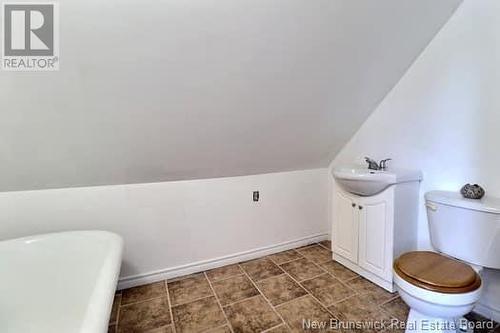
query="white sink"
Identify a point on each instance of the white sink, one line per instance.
(362, 181)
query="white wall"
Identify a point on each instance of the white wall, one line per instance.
(153, 90)
(171, 224)
(443, 117)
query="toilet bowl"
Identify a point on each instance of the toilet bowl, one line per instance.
(440, 288)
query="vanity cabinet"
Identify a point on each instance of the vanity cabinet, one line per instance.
(346, 243)
(370, 232)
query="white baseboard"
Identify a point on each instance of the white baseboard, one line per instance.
(488, 312)
(200, 266)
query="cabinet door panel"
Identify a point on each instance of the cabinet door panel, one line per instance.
(346, 228)
(372, 237)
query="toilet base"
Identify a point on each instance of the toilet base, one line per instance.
(421, 323)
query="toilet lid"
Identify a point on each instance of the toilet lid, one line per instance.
(436, 272)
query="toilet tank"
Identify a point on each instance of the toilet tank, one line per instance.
(465, 229)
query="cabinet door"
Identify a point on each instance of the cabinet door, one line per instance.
(373, 225)
(345, 232)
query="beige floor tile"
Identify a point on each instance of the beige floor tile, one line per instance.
(260, 269)
(144, 316)
(483, 324)
(474, 316)
(222, 329)
(224, 272)
(280, 289)
(358, 309)
(327, 289)
(339, 271)
(377, 294)
(304, 309)
(397, 308)
(164, 329)
(197, 316)
(302, 269)
(114, 310)
(251, 315)
(234, 289)
(142, 293)
(189, 289)
(326, 244)
(316, 253)
(145, 309)
(282, 257)
(279, 329)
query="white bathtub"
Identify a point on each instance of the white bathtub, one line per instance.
(59, 283)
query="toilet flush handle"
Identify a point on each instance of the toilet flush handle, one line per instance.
(431, 206)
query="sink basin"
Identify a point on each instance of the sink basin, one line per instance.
(362, 181)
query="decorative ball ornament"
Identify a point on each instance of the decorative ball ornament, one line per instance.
(472, 191)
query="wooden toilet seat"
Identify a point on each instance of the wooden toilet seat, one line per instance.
(435, 272)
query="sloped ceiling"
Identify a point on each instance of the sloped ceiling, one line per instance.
(181, 89)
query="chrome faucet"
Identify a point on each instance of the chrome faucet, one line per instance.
(373, 165)
(383, 164)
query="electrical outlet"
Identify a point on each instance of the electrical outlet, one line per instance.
(255, 195)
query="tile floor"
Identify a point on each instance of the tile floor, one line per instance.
(271, 294)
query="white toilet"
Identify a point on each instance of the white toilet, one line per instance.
(441, 287)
